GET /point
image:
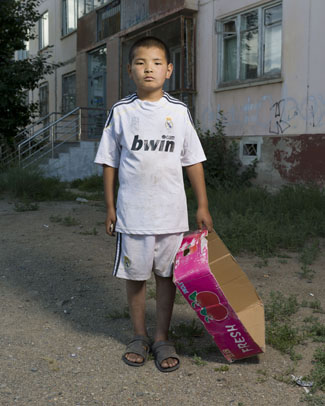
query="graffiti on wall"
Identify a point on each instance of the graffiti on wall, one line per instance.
(273, 116)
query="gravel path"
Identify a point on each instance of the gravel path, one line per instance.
(63, 324)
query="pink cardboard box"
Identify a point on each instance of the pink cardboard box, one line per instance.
(220, 293)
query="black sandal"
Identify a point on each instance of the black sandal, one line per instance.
(163, 350)
(139, 345)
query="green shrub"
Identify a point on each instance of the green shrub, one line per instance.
(223, 167)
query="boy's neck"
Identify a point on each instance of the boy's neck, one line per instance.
(150, 96)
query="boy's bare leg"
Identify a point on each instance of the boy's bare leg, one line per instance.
(165, 296)
(136, 294)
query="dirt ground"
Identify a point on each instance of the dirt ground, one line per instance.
(63, 332)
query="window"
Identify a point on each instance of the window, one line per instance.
(69, 16)
(86, 6)
(109, 20)
(68, 92)
(250, 44)
(44, 99)
(250, 149)
(43, 31)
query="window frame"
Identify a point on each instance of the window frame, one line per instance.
(65, 10)
(109, 5)
(64, 104)
(41, 43)
(261, 76)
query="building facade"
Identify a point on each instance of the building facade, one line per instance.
(261, 65)
(259, 62)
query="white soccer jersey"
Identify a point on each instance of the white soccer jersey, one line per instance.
(150, 142)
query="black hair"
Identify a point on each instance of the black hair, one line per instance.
(148, 42)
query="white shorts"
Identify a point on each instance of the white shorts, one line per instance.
(137, 256)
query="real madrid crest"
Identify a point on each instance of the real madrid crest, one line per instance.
(169, 123)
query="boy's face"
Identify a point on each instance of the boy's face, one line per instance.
(149, 70)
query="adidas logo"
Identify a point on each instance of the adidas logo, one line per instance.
(152, 145)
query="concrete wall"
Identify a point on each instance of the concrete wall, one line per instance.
(77, 163)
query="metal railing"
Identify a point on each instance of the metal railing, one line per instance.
(8, 155)
(72, 127)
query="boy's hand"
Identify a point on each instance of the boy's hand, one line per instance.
(110, 221)
(204, 219)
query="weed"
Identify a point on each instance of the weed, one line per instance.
(91, 232)
(223, 368)
(317, 374)
(262, 375)
(119, 314)
(310, 319)
(223, 166)
(309, 253)
(26, 206)
(314, 400)
(70, 221)
(283, 338)
(198, 361)
(55, 219)
(262, 263)
(317, 332)
(314, 304)
(280, 308)
(306, 273)
(285, 377)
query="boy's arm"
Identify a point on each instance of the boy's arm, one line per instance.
(110, 176)
(195, 174)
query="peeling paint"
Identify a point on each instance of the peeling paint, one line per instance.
(300, 158)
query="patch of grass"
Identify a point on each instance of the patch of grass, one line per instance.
(119, 314)
(223, 368)
(317, 374)
(280, 308)
(313, 304)
(26, 206)
(309, 253)
(283, 338)
(262, 263)
(279, 333)
(317, 332)
(314, 400)
(69, 221)
(306, 273)
(56, 219)
(285, 377)
(90, 232)
(257, 221)
(30, 184)
(198, 361)
(262, 376)
(91, 184)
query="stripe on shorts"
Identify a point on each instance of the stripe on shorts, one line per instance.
(117, 253)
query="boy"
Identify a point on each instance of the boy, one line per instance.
(147, 139)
